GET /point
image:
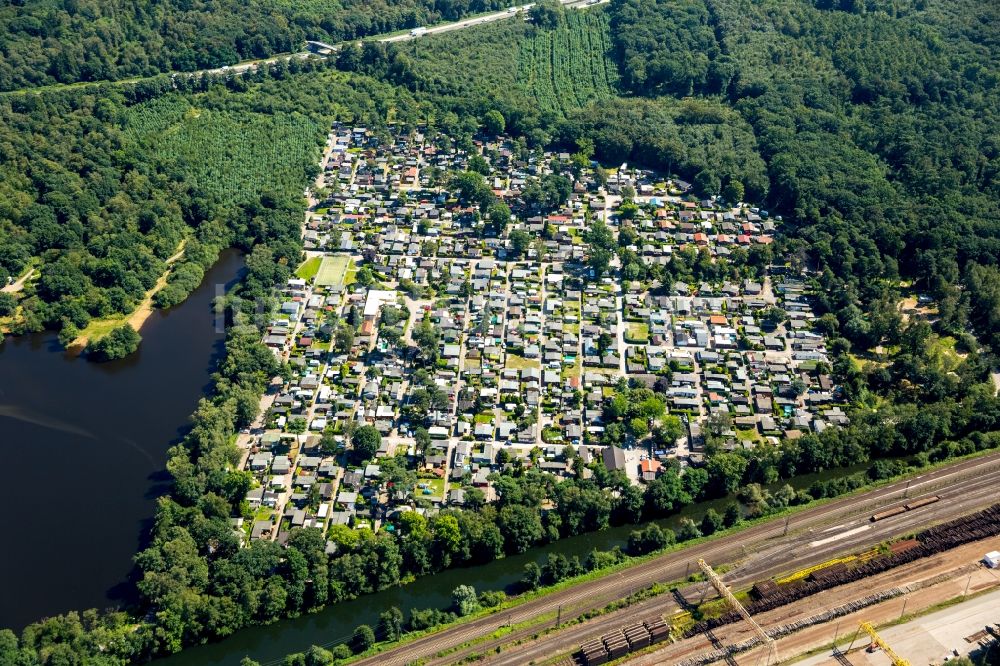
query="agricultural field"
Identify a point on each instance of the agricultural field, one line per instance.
(556, 70)
(230, 155)
(569, 68)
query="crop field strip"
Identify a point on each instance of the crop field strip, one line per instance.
(559, 81)
(247, 153)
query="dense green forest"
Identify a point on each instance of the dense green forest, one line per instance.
(533, 76)
(62, 41)
(878, 122)
(100, 185)
(871, 126)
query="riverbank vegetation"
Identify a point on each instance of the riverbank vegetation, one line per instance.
(104, 184)
(884, 159)
(557, 572)
(119, 343)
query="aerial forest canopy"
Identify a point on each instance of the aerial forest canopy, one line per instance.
(878, 122)
(63, 41)
(873, 126)
(870, 126)
(99, 186)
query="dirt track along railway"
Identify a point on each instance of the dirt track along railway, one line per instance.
(765, 548)
(941, 538)
(931, 541)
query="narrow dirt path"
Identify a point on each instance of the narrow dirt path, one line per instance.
(145, 308)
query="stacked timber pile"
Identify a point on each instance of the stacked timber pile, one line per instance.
(631, 638)
(763, 589)
(903, 546)
(931, 541)
(658, 630)
(616, 644)
(593, 653)
(637, 636)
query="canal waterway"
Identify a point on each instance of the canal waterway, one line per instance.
(337, 622)
(84, 446)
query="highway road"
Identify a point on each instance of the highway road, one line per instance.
(239, 68)
(760, 549)
(487, 18)
(403, 36)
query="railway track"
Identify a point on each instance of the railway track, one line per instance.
(971, 496)
(786, 553)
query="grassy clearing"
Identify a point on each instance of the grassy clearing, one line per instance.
(942, 349)
(309, 268)
(637, 332)
(520, 363)
(351, 276)
(573, 370)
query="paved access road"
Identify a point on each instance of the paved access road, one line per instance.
(18, 284)
(927, 639)
(487, 18)
(784, 553)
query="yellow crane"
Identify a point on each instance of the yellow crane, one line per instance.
(767, 641)
(879, 643)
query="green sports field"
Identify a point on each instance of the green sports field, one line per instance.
(332, 271)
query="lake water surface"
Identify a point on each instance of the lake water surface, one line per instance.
(84, 446)
(335, 623)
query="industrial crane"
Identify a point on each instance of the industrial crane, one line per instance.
(767, 641)
(879, 643)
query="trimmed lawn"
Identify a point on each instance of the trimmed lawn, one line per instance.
(98, 328)
(637, 332)
(942, 350)
(520, 363)
(436, 486)
(309, 268)
(573, 370)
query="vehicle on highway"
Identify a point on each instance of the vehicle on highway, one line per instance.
(417, 32)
